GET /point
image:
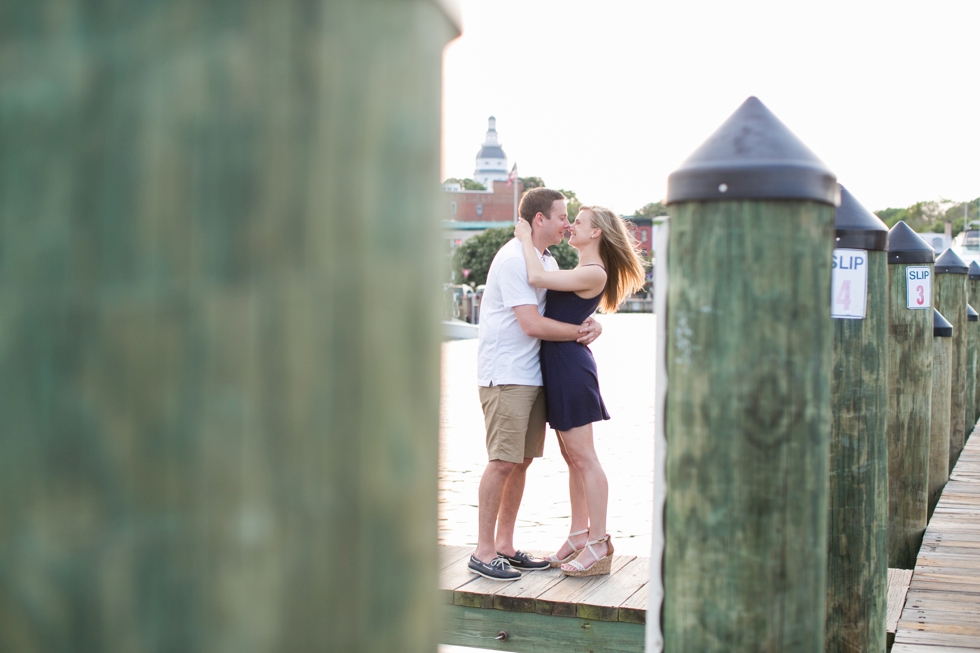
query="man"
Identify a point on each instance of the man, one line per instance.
(509, 373)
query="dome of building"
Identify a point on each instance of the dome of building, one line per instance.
(491, 162)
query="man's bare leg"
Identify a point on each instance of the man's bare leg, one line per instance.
(510, 503)
(491, 490)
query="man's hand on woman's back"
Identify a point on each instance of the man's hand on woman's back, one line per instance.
(591, 329)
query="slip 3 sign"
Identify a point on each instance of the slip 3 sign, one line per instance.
(849, 284)
(918, 286)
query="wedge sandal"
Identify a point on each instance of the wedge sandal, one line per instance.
(601, 565)
(553, 558)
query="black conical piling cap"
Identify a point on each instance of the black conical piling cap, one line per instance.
(857, 227)
(941, 328)
(974, 270)
(971, 315)
(752, 156)
(949, 263)
(906, 246)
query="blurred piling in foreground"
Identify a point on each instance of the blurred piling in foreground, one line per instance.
(213, 440)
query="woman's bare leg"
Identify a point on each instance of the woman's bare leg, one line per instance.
(580, 507)
(579, 450)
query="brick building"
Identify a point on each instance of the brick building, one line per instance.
(644, 233)
(496, 205)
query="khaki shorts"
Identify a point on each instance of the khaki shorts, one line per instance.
(515, 418)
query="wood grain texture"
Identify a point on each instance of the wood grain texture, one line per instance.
(942, 609)
(969, 397)
(857, 552)
(942, 360)
(898, 587)
(549, 592)
(909, 420)
(950, 300)
(216, 435)
(973, 292)
(535, 633)
(749, 358)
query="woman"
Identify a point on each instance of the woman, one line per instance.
(609, 271)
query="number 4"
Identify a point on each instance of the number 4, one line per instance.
(844, 295)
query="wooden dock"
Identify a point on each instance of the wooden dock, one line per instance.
(548, 612)
(545, 610)
(942, 611)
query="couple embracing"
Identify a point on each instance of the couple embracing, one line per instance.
(534, 366)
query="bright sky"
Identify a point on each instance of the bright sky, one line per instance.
(607, 98)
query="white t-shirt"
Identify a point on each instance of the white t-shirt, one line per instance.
(506, 355)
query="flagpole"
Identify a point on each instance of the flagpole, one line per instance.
(514, 174)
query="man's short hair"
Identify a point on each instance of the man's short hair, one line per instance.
(538, 200)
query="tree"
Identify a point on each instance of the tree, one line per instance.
(477, 253)
(573, 203)
(651, 210)
(921, 216)
(467, 184)
(532, 182)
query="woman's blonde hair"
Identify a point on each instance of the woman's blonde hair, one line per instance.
(625, 273)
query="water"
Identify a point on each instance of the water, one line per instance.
(625, 358)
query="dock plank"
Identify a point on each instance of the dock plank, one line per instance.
(898, 587)
(563, 599)
(942, 608)
(604, 602)
(924, 648)
(634, 609)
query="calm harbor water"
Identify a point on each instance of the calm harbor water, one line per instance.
(625, 358)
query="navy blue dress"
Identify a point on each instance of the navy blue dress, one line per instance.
(571, 384)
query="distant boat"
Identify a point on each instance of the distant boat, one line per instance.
(966, 244)
(459, 330)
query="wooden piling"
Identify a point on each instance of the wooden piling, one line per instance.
(857, 552)
(942, 360)
(973, 296)
(219, 290)
(749, 357)
(951, 273)
(972, 334)
(910, 328)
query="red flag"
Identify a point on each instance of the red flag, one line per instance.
(512, 177)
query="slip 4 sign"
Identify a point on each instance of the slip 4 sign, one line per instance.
(918, 287)
(849, 284)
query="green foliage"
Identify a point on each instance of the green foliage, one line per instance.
(651, 210)
(532, 182)
(467, 184)
(477, 253)
(565, 254)
(573, 203)
(932, 216)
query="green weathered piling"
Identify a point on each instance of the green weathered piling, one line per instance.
(857, 552)
(219, 286)
(971, 367)
(749, 357)
(942, 361)
(910, 344)
(951, 273)
(973, 295)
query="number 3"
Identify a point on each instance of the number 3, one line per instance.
(922, 296)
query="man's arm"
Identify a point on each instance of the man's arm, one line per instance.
(543, 328)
